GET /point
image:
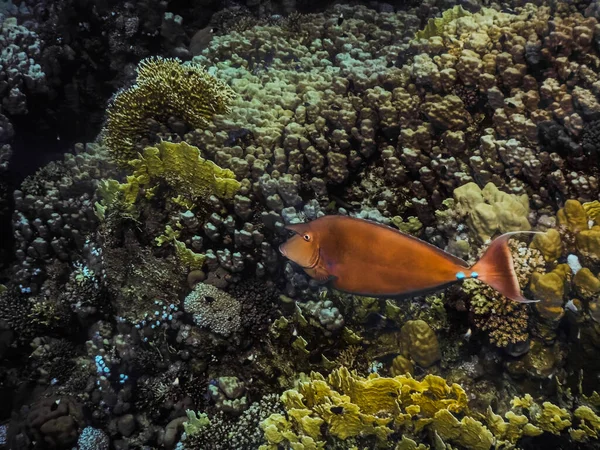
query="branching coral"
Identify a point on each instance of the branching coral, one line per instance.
(165, 90)
(505, 321)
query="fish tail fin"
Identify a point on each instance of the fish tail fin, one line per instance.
(496, 269)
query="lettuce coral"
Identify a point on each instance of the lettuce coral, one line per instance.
(181, 167)
(345, 405)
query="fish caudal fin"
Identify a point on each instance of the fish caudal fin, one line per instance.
(496, 269)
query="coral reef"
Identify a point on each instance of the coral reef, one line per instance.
(149, 306)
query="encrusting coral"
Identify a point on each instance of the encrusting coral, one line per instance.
(490, 211)
(165, 89)
(181, 167)
(321, 411)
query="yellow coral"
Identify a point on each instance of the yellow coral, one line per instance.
(435, 26)
(187, 257)
(553, 419)
(550, 288)
(592, 209)
(586, 284)
(549, 244)
(517, 426)
(590, 423)
(573, 217)
(184, 170)
(588, 243)
(490, 210)
(468, 432)
(401, 366)
(353, 406)
(164, 89)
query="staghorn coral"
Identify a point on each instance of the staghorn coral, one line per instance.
(165, 89)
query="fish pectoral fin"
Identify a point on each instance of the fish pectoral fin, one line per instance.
(320, 274)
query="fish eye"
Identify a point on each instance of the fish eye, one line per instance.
(306, 237)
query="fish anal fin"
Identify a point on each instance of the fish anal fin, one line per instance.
(496, 269)
(320, 274)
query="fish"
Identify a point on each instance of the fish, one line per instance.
(362, 257)
(468, 334)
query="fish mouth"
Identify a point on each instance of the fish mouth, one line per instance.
(282, 250)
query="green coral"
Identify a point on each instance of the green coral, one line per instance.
(188, 257)
(181, 167)
(435, 26)
(195, 422)
(164, 89)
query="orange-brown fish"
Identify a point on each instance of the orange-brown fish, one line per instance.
(366, 258)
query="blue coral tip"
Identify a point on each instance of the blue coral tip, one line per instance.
(474, 274)
(460, 276)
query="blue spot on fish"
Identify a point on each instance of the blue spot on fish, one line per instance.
(460, 276)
